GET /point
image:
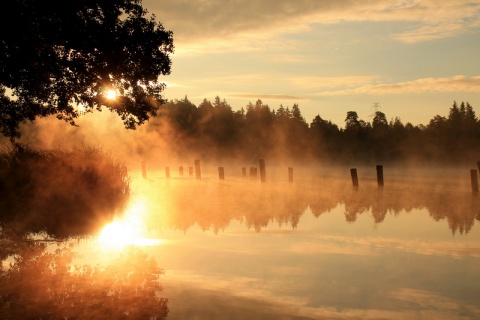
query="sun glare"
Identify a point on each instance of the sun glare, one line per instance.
(128, 230)
(111, 94)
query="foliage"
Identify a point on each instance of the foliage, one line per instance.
(59, 192)
(215, 130)
(62, 55)
(47, 284)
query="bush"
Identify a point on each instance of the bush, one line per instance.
(62, 193)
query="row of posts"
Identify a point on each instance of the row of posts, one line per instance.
(221, 171)
(263, 175)
(353, 173)
(473, 177)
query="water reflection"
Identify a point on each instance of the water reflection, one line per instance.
(45, 282)
(241, 249)
(214, 206)
(43, 275)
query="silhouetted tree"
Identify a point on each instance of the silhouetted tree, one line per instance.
(352, 121)
(379, 121)
(258, 123)
(56, 56)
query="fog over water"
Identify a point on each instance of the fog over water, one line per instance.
(315, 247)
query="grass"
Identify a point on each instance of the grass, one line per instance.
(59, 192)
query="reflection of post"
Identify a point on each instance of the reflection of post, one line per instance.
(380, 175)
(221, 173)
(474, 179)
(244, 171)
(198, 174)
(167, 172)
(144, 170)
(180, 171)
(263, 175)
(290, 174)
(353, 173)
(190, 171)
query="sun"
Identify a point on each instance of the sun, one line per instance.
(111, 94)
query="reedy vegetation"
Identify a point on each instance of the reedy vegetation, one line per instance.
(58, 192)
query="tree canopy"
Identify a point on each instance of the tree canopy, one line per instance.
(62, 57)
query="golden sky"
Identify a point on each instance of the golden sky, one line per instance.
(414, 57)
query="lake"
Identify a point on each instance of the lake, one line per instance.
(314, 248)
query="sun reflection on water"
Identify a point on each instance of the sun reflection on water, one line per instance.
(129, 229)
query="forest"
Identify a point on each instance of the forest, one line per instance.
(214, 130)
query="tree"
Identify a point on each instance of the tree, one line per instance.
(351, 120)
(379, 121)
(62, 57)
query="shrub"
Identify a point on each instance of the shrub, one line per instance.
(60, 192)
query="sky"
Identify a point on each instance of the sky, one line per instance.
(412, 58)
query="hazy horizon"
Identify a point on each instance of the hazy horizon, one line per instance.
(413, 57)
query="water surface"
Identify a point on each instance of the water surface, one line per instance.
(312, 249)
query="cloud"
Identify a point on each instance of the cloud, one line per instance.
(310, 82)
(329, 244)
(225, 21)
(457, 83)
(255, 96)
(428, 300)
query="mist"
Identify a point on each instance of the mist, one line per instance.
(214, 133)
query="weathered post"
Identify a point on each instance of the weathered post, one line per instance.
(190, 171)
(167, 172)
(244, 171)
(144, 170)
(180, 171)
(253, 172)
(263, 175)
(380, 175)
(290, 174)
(221, 173)
(474, 179)
(353, 173)
(198, 174)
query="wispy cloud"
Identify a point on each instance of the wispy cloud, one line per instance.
(311, 82)
(367, 245)
(263, 96)
(457, 83)
(196, 21)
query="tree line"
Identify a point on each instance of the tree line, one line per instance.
(214, 129)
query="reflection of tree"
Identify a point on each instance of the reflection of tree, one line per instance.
(41, 284)
(459, 208)
(214, 206)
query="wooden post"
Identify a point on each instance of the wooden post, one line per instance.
(167, 172)
(144, 170)
(263, 175)
(253, 172)
(478, 165)
(290, 174)
(353, 173)
(198, 174)
(221, 173)
(244, 171)
(190, 171)
(380, 175)
(474, 179)
(180, 171)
